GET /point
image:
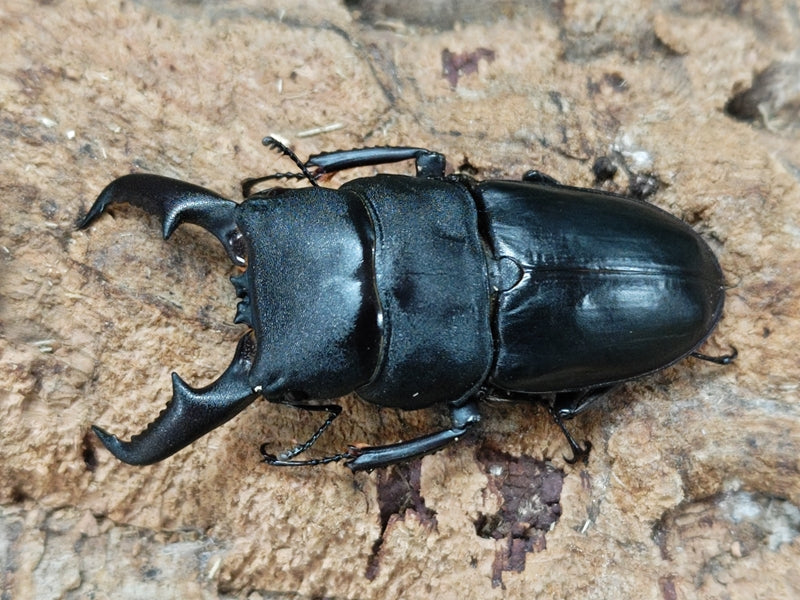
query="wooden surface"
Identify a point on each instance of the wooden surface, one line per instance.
(692, 489)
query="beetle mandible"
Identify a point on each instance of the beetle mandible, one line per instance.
(425, 290)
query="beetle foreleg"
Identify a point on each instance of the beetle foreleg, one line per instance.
(427, 162)
(274, 461)
(373, 457)
(284, 459)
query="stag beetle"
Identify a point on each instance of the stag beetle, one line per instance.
(434, 289)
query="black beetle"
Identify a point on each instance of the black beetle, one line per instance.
(416, 291)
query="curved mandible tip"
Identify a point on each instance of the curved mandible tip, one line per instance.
(190, 414)
(174, 202)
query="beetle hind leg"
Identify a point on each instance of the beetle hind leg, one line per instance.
(722, 359)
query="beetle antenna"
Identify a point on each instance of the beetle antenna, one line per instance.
(724, 359)
(274, 144)
(249, 183)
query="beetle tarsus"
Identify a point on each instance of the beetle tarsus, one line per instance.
(534, 176)
(723, 359)
(249, 183)
(275, 461)
(284, 459)
(579, 453)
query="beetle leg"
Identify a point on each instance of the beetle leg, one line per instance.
(284, 458)
(724, 359)
(567, 405)
(561, 405)
(463, 416)
(275, 461)
(578, 452)
(174, 202)
(427, 162)
(534, 176)
(191, 413)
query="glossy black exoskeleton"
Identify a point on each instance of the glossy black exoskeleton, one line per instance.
(434, 289)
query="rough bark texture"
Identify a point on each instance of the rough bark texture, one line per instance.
(692, 489)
